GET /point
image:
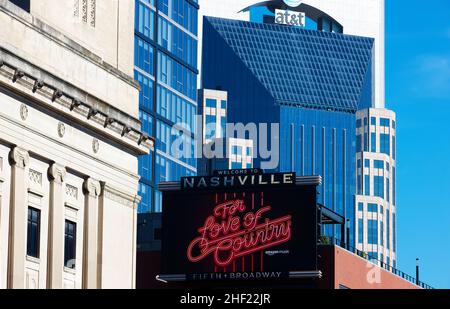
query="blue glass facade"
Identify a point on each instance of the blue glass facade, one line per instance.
(166, 68)
(303, 68)
(310, 82)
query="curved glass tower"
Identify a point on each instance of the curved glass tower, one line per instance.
(166, 38)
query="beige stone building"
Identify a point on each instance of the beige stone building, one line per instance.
(69, 141)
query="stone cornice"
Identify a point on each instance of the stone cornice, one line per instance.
(119, 196)
(68, 100)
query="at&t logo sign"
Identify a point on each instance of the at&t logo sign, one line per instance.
(290, 18)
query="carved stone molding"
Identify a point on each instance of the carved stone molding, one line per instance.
(121, 197)
(19, 157)
(95, 145)
(92, 187)
(35, 177)
(23, 112)
(61, 129)
(72, 191)
(57, 173)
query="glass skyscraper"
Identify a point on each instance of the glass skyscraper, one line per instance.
(310, 82)
(166, 40)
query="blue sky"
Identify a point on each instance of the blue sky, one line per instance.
(418, 90)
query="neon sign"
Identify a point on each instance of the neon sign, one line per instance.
(232, 232)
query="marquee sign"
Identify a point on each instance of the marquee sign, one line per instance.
(244, 231)
(232, 231)
(235, 179)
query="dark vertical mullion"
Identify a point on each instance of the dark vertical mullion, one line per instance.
(292, 147)
(303, 149)
(155, 97)
(334, 177)
(324, 151)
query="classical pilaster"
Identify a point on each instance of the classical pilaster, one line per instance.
(91, 246)
(130, 201)
(19, 160)
(56, 173)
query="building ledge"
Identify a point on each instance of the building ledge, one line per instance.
(72, 102)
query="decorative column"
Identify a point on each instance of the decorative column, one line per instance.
(56, 173)
(19, 159)
(91, 246)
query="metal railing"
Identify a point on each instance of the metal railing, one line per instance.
(334, 241)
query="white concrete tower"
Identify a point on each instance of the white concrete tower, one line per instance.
(376, 207)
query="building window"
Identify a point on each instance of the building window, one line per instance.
(210, 126)
(358, 123)
(223, 104)
(23, 4)
(388, 230)
(33, 232)
(360, 206)
(236, 165)
(366, 142)
(378, 164)
(211, 103)
(360, 184)
(236, 150)
(373, 142)
(393, 148)
(367, 185)
(372, 207)
(388, 190)
(379, 186)
(223, 126)
(381, 233)
(372, 232)
(385, 145)
(145, 192)
(359, 143)
(393, 186)
(360, 231)
(373, 121)
(70, 244)
(394, 247)
(385, 122)
(367, 163)
(373, 256)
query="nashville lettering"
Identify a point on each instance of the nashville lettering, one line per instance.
(237, 181)
(232, 232)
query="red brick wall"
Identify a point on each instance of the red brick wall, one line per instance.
(354, 272)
